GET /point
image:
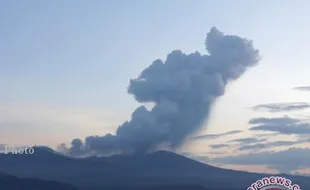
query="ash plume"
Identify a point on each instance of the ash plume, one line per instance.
(183, 89)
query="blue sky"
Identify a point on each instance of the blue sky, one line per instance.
(65, 65)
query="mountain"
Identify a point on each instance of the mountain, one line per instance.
(9, 182)
(153, 170)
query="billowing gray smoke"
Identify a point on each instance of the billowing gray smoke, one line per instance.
(183, 89)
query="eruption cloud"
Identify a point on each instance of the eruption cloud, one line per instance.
(183, 89)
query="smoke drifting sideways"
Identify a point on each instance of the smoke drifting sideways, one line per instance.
(183, 89)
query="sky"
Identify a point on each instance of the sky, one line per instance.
(65, 67)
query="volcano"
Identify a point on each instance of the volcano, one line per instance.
(158, 169)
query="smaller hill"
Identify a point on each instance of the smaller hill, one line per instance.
(8, 182)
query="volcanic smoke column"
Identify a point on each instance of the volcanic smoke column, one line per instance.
(183, 89)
